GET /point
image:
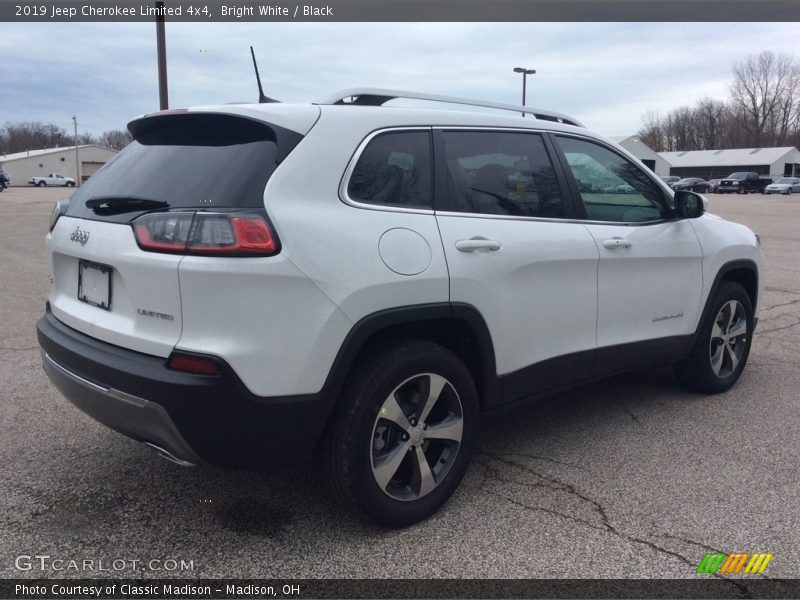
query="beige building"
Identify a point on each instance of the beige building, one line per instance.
(21, 166)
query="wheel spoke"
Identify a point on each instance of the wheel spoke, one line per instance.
(716, 359)
(435, 386)
(716, 331)
(391, 411)
(731, 306)
(739, 328)
(732, 356)
(450, 429)
(385, 468)
(422, 473)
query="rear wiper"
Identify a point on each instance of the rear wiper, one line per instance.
(123, 204)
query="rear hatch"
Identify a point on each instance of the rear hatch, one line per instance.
(116, 250)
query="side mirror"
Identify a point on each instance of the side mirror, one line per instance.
(689, 205)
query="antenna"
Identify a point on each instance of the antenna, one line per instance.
(262, 99)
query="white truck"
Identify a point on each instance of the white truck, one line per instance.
(52, 179)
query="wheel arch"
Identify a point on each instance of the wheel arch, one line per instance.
(458, 327)
(744, 272)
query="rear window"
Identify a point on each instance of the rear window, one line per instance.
(185, 161)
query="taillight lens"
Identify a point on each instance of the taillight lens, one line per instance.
(210, 234)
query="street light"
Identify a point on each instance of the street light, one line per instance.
(525, 73)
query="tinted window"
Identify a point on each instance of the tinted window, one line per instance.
(186, 161)
(394, 169)
(500, 173)
(611, 187)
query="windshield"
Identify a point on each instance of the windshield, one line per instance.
(785, 180)
(738, 175)
(185, 161)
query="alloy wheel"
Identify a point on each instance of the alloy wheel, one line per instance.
(728, 339)
(416, 436)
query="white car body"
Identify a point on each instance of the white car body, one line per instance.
(56, 179)
(549, 299)
(785, 185)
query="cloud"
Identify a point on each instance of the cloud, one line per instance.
(605, 74)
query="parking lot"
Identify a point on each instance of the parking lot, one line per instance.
(634, 477)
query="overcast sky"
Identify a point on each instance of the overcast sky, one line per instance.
(605, 74)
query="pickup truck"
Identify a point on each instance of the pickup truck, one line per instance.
(52, 179)
(743, 182)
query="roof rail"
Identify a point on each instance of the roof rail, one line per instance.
(379, 96)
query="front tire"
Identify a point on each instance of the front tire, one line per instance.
(406, 429)
(723, 343)
(70, 184)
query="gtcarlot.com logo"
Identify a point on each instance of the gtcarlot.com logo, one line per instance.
(45, 562)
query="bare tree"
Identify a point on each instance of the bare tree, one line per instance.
(710, 118)
(764, 86)
(116, 139)
(652, 133)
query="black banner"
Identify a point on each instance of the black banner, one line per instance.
(209, 11)
(152, 589)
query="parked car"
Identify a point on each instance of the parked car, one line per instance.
(692, 184)
(670, 179)
(315, 290)
(5, 180)
(52, 179)
(713, 184)
(743, 182)
(784, 185)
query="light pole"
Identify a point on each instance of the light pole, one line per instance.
(77, 159)
(525, 73)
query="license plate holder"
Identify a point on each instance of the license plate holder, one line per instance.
(94, 284)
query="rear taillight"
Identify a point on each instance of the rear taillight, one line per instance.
(209, 234)
(191, 363)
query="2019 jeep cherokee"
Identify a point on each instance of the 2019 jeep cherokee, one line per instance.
(250, 284)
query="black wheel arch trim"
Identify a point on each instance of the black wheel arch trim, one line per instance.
(733, 265)
(491, 389)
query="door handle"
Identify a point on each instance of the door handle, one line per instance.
(617, 242)
(477, 244)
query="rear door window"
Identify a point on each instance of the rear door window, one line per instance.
(500, 173)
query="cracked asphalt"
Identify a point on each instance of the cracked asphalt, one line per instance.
(634, 477)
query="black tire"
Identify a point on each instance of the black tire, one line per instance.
(70, 184)
(41, 184)
(700, 371)
(360, 437)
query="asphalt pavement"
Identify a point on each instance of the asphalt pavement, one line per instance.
(633, 477)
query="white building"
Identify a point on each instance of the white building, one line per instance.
(716, 164)
(21, 166)
(657, 163)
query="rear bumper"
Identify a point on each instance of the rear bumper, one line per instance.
(195, 418)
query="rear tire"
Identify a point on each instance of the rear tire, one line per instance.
(41, 184)
(723, 343)
(406, 429)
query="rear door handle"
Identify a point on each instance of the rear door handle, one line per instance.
(617, 242)
(477, 244)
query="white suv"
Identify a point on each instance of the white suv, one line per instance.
(245, 285)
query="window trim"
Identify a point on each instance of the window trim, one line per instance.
(440, 162)
(578, 199)
(344, 183)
